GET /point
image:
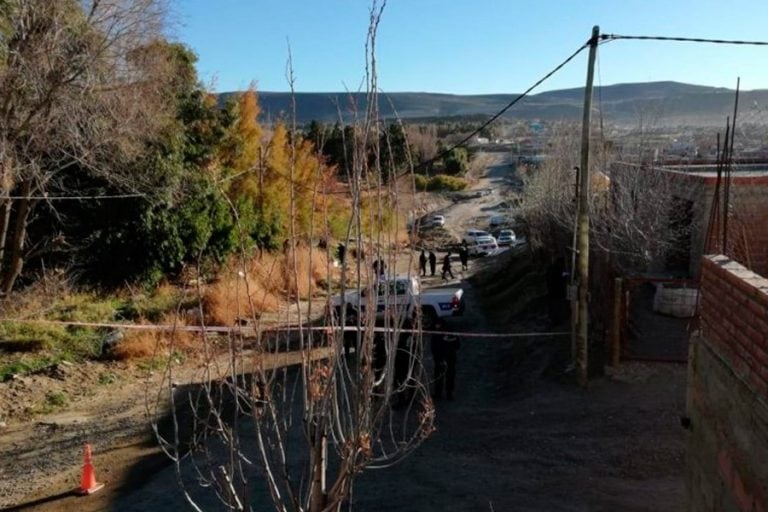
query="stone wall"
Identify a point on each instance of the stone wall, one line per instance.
(728, 391)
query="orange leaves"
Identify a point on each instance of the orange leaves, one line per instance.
(281, 173)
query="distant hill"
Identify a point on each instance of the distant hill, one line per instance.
(665, 103)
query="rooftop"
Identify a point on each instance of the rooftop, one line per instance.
(741, 174)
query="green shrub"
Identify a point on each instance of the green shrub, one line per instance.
(155, 304)
(457, 161)
(56, 399)
(443, 183)
(439, 183)
(106, 378)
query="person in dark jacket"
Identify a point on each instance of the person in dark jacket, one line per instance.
(379, 267)
(341, 252)
(444, 348)
(464, 256)
(432, 263)
(447, 265)
(423, 264)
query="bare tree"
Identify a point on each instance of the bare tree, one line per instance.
(360, 397)
(423, 141)
(76, 95)
(632, 214)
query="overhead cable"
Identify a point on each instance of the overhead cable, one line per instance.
(475, 132)
(69, 198)
(614, 37)
(503, 110)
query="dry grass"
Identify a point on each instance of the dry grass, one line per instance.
(139, 344)
(37, 298)
(264, 285)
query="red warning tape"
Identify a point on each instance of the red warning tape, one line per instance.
(241, 330)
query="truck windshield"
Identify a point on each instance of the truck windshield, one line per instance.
(393, 288)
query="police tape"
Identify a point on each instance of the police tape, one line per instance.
(328, 329)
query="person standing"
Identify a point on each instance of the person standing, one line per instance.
(423, 264)
(444, 348)
(432, 263)
(341, 251)
(464, 256)
(379, 267)
(447, 265)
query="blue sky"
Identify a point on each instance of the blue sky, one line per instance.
(469, 46)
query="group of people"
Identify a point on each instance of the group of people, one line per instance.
(379, 266)
(432, 259)
(423, 258)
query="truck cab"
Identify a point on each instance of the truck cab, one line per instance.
(398, 297)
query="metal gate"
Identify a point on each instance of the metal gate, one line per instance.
(657, 316)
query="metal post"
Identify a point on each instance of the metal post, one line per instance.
(618, 302)
(582, 336)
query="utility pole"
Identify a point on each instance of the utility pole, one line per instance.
(582, 245)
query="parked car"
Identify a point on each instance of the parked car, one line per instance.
(482, 246)
(497, 220)
(472, 235)
(479, 242)
(400, 296)
(506, 237)
(437, 220)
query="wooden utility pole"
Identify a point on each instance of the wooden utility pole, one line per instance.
(582, 245)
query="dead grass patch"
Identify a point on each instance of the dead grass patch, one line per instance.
(264, 284)
(144, 344)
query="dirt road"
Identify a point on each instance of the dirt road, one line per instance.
(476, 213)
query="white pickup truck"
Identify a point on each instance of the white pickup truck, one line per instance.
(400, 295)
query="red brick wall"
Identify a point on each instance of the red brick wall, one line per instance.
(748, 236)
(734, 318)
(747, 223)
(727, 457)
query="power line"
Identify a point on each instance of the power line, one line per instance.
(468, 137)
(604, 38)
(614, 37)
(503, 110)
(70, 198)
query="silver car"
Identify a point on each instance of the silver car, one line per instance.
(506, 237)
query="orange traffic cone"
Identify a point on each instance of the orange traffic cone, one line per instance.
(88, 484)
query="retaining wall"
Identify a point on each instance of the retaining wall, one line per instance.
(728, 391)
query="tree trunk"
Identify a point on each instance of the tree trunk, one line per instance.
(16, 258)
